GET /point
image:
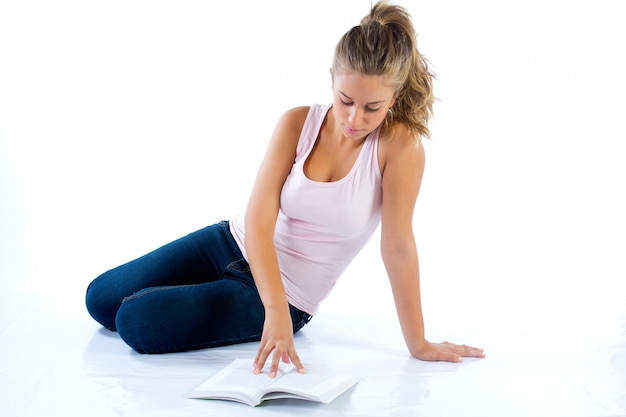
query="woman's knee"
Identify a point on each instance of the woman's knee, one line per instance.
(101, 303)
(137, 320)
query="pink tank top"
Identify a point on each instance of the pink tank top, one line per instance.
(321, 226)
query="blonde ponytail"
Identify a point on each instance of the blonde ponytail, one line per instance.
(385, 44)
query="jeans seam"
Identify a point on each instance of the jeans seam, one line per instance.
(235, 265)
(197, 346)
(150, 290)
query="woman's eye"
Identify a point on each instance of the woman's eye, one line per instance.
(367, 108)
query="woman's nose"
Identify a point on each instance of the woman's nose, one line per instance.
(354, 116)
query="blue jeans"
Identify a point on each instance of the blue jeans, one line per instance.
(194, 293)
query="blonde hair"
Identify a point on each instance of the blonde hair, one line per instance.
(385, 44)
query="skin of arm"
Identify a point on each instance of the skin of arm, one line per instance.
(402, 165)
(260, 220)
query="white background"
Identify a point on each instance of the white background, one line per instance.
(126, 124)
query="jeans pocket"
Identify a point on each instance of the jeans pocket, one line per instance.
(239, 270)
(240, 265)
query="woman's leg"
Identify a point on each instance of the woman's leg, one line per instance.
(193, 293)
(188, 317)
(197, 258)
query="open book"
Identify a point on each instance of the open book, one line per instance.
(237, 382)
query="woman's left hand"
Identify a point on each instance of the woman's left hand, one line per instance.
(448, 352)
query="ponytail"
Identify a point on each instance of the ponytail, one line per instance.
(385, 44)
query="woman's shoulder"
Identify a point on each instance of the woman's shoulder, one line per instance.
(296, 114)
(398, 133)
(401, 160)
(399, 139)
(300, 113)
(292, 120)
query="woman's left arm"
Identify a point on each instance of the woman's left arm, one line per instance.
(402, 170)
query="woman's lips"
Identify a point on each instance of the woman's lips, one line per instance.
(352, 132)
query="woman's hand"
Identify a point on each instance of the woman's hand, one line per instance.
(446, 351)
(277, 340)
(260, 220)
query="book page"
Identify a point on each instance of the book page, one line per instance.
(303, 382)
(245, 377)
(238, 382)
(314, 385)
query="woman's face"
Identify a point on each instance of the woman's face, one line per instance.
(360, 102)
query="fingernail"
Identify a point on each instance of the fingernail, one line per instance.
(272, 374)
(257, 370)
(302, 370)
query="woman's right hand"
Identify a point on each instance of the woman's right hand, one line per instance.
(277, 341)
(260, 220)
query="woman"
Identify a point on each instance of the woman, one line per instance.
(331, 174)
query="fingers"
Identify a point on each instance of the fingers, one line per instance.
(295, 359)
(275, 362)
(261, 357)
(460, 351)
(287, 355)
(446, 356)
(448, 352)
(469, 351)
(259, 360)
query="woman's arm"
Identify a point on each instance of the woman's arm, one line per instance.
(260, 220)
(403, 168)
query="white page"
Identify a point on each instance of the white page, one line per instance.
(238, 377)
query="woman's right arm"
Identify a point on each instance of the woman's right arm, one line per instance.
(260, 222)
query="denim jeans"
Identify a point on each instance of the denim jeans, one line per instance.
(194, 293)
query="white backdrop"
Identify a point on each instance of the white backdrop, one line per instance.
(126, 124)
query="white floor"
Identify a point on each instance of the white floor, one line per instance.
(126, 124)
(55, 361)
